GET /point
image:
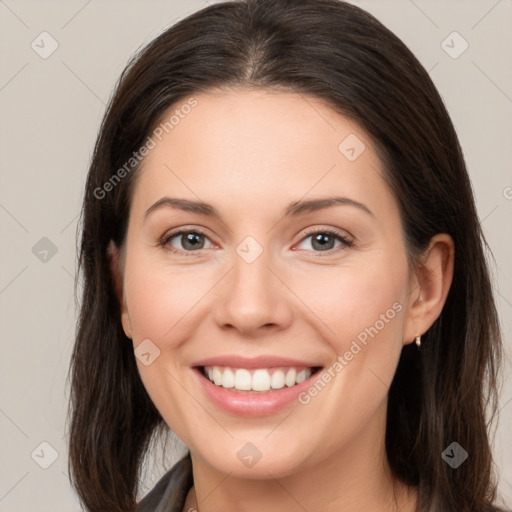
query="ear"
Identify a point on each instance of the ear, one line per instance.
(117, 277)
(430, 286)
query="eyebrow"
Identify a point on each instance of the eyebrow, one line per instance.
(294, 209)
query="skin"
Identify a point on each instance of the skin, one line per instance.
(250, 153)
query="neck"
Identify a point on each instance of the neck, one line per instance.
(355, 477)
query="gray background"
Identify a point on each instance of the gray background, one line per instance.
(51, 110)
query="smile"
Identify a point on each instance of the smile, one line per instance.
(258, 386)
(258, 380)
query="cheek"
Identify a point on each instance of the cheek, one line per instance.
(161, 309)
(159, 301)
(363, 309)
(360, 302)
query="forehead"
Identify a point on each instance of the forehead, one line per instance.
(261, 147)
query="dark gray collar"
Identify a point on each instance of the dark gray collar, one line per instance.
(170, 492)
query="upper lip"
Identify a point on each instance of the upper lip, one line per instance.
(265, 361)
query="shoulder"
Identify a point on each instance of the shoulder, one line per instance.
(170, 492)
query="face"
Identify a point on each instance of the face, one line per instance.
(268, 291)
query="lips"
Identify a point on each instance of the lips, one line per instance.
(265, 361)
(254, 386)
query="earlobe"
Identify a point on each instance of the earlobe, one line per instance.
(127, 326)
(432, 283)
(117, 278)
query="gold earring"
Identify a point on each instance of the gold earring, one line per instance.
(418, 341)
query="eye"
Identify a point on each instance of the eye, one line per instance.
(323, 240)
(190, 241)
(193, 240)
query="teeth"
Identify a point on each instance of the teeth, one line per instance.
(242, 380)
(290, 377)
(228, 379)
(301, 376)
(261, 379)
(217, 376)
(277, 380)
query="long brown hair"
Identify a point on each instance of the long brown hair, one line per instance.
(337, 52)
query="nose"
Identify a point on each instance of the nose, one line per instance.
(253, 298)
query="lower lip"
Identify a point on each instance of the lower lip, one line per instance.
(252, 404)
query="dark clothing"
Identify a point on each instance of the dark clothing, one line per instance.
(170, 492)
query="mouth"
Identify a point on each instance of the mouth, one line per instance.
(257, 380)
(254, 386)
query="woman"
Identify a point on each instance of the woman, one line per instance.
(283, 265)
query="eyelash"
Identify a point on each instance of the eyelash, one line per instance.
(346, 243)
